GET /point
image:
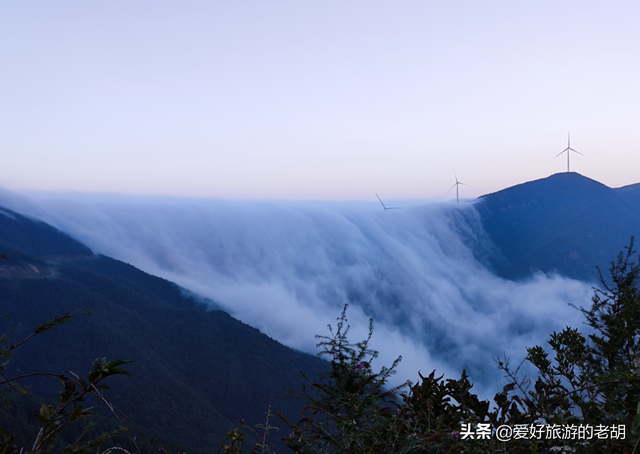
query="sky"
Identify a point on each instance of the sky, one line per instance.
(187, 138)
(315, 100)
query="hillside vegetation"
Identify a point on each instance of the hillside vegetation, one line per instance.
(194, 373)
(585, 398)
(566, 223)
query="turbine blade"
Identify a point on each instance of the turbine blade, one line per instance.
(380, 201)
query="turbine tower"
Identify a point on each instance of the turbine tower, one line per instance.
(386, 207)
(568, 150)
(458, 183)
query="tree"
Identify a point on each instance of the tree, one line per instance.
(586, 397)
(594, 380)
(349, 409)
(55, 419)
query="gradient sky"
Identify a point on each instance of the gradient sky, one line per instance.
(324, 100)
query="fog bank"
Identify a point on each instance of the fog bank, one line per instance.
(288, 268)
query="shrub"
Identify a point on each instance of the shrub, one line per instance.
(586, 397)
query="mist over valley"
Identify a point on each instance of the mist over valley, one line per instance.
(443, 289)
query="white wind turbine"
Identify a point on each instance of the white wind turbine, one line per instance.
(386, 207)
(568, 150)
(458, 183)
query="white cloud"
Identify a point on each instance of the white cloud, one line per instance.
(287, 268)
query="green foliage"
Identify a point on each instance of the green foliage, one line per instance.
(349, 408)
(352, 411)
(55, 419)
(595, 380)
(7, 351)
(587, 381)
(234, 442)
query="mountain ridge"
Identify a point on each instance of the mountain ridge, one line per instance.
(195, 371)
(222, 369)
(564, 223)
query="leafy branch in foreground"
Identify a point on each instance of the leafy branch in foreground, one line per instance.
(7, 350)
(348, 408)
(595, 380)
(54, 419)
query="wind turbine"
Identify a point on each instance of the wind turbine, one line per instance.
(568, 150)
(385, 207)
(458, 183)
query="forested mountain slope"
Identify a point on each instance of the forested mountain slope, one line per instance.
(566, 223)
(195, 371)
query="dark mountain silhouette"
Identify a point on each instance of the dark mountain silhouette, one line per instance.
(630, 193)
(37, 238)
(195, 371)
(565, 223)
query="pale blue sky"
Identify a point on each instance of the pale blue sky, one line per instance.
(315, 100)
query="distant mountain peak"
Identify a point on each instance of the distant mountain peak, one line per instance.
(562, 180)
(565, 223)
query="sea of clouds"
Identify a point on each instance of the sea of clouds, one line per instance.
(287, 268)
